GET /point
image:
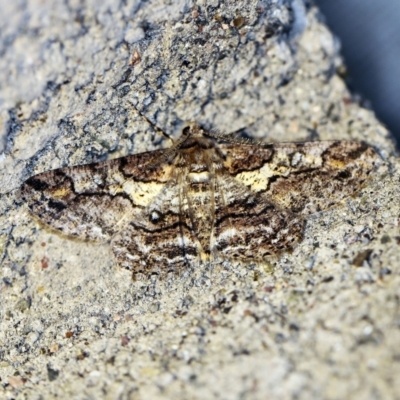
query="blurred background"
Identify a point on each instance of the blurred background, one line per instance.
(369, 31)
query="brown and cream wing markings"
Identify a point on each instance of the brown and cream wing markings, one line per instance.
(304, 177)
(95, 201)
(205, 198)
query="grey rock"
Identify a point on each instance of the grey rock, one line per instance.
(75, 83)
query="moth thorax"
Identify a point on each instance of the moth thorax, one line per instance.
(199, 177)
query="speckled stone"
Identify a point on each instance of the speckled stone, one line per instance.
(322, 322)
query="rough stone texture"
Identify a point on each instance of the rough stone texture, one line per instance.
(323, 322)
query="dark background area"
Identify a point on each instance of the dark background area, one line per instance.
(369, 31)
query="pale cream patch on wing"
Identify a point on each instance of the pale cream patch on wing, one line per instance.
(142, 193)
(256, 180)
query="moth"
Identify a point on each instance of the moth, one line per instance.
(209, 196)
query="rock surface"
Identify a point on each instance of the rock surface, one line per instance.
(76, 83)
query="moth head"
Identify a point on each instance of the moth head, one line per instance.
(191, 129)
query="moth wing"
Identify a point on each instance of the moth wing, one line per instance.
(162, 238)
(248, 225)
(303, 178)
(95, 201)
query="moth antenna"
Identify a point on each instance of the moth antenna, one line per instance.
(233, 137)
(159, 130)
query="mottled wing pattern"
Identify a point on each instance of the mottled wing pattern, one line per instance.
(268, 190)
(249, 226)
(95, 201)
(162, 237)
(139, 202)
(303, 177)
(164, 210)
